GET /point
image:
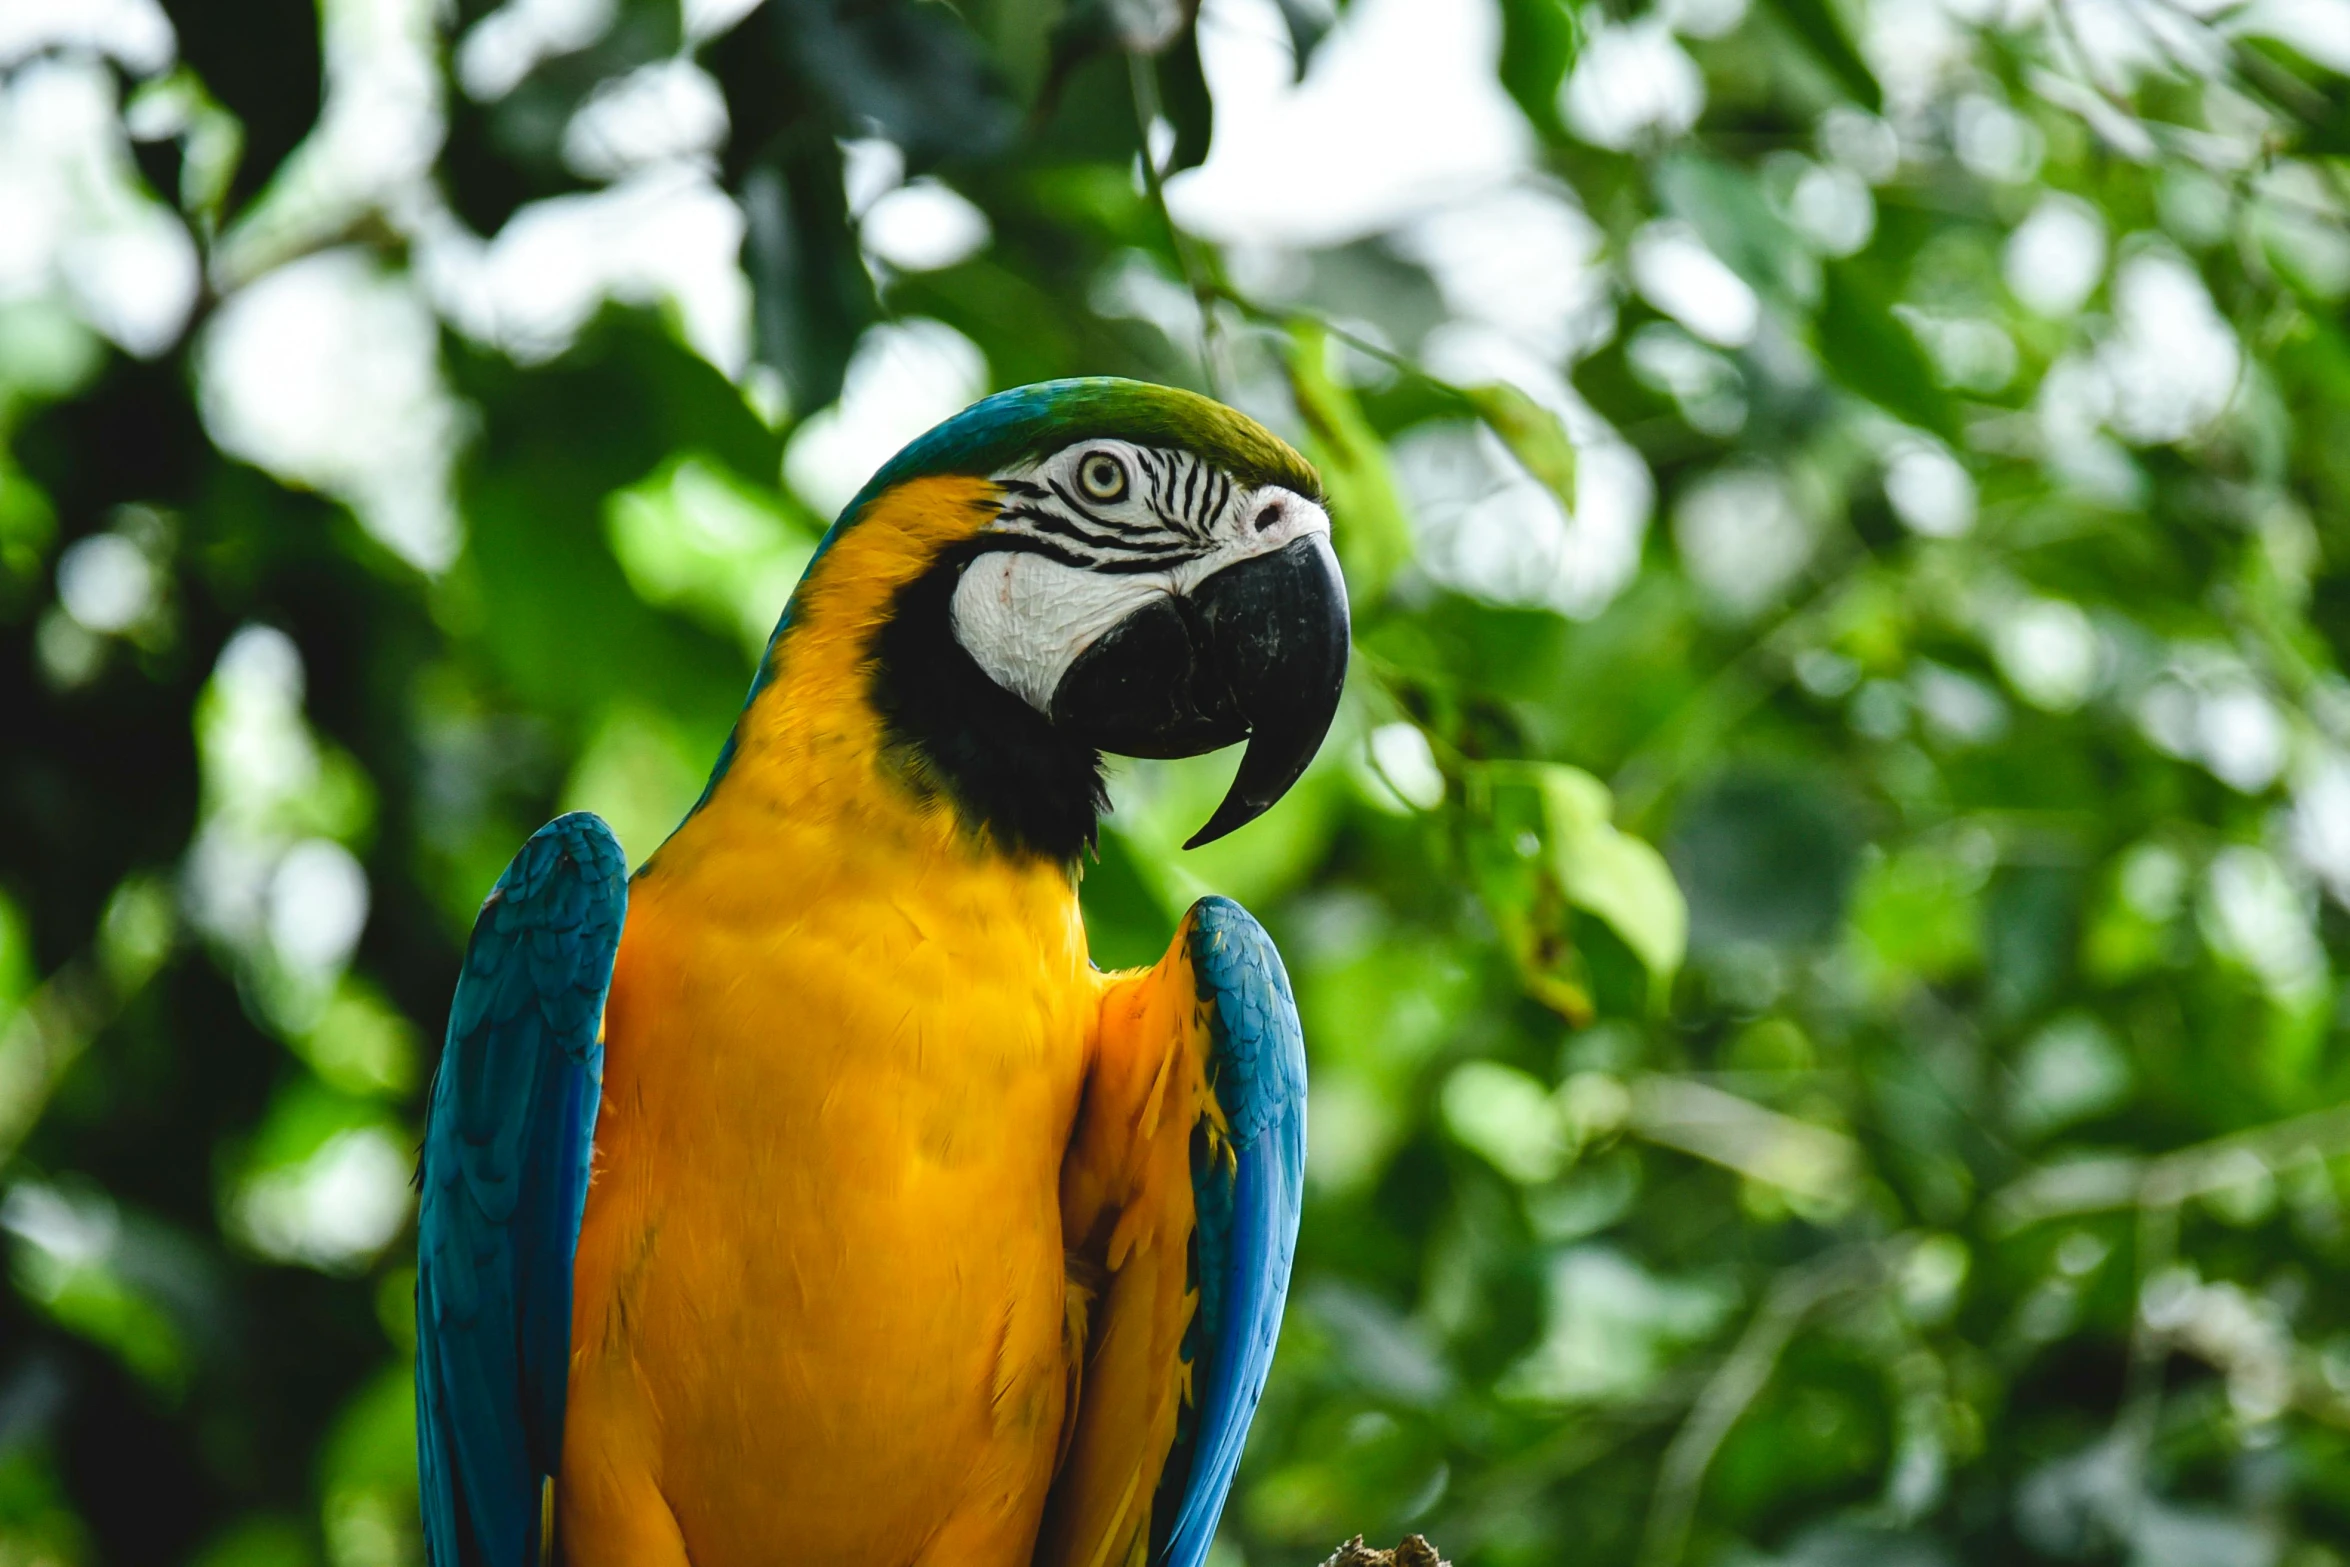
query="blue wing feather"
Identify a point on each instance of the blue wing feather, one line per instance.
(1248, 1208)
(507, 1143)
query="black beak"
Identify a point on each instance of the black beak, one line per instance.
(1257, 651)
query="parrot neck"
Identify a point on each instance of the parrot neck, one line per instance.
(868, 714)
(951, 728)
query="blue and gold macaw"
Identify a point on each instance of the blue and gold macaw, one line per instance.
(810, 1196)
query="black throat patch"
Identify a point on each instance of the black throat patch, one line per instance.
(951, 729)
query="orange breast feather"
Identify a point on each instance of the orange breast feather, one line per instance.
(1126, 1203)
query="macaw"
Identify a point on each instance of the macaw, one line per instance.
(809, 1196)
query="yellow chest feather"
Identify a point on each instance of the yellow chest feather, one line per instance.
(845, 1047)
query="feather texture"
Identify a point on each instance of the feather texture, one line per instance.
(1181, 1190)
(1248, 1201)
(504, 1174)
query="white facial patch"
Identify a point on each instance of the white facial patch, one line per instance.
(1107, 526)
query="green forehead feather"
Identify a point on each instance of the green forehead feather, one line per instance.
(1029, 422)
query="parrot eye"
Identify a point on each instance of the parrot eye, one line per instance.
(1102, 477)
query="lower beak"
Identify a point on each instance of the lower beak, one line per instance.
(1257, 651)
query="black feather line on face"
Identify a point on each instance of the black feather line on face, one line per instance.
(1183, 494)
(1074, 504)
(1112, 565)
(1167, 505)
(1101, 540)
(1035, 544)
(1076, 549)
(1129, 565)
(1043, 519)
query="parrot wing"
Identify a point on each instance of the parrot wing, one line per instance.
(504, 1173)
(1248, 1193)
(1179, 1204)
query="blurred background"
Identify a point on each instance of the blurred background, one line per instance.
(1816, 925)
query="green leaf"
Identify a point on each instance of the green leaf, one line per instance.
(811, 294)
(1918, 914)
(1867, 349)
(555, 443)
(1727, 206)
(1538, 43)
(697, 537)
(798, 75)
(1508, 1116)
(79, 1260)
(1614, 875)
(638, 771)
(1039, 42)
(372, 1443)
(1183, 96)
(1308, 25)
(1822, 31)
(1368, 524)
(1533, 434)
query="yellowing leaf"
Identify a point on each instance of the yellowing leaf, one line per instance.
(1505, 856)
(1368, 525)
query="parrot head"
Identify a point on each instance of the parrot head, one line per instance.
(1136, 569)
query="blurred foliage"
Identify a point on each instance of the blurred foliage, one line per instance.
(1825, 1039)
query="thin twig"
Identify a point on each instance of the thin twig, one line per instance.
(2141, 1411)
(2276, 83)
(1734, 1386)
(1513, 1485)
(2107, 1185)
(2162, 136)
(1142, 72)
(1285, 317)
(2085, 67)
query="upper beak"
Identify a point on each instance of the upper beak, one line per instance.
(1257, 650)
